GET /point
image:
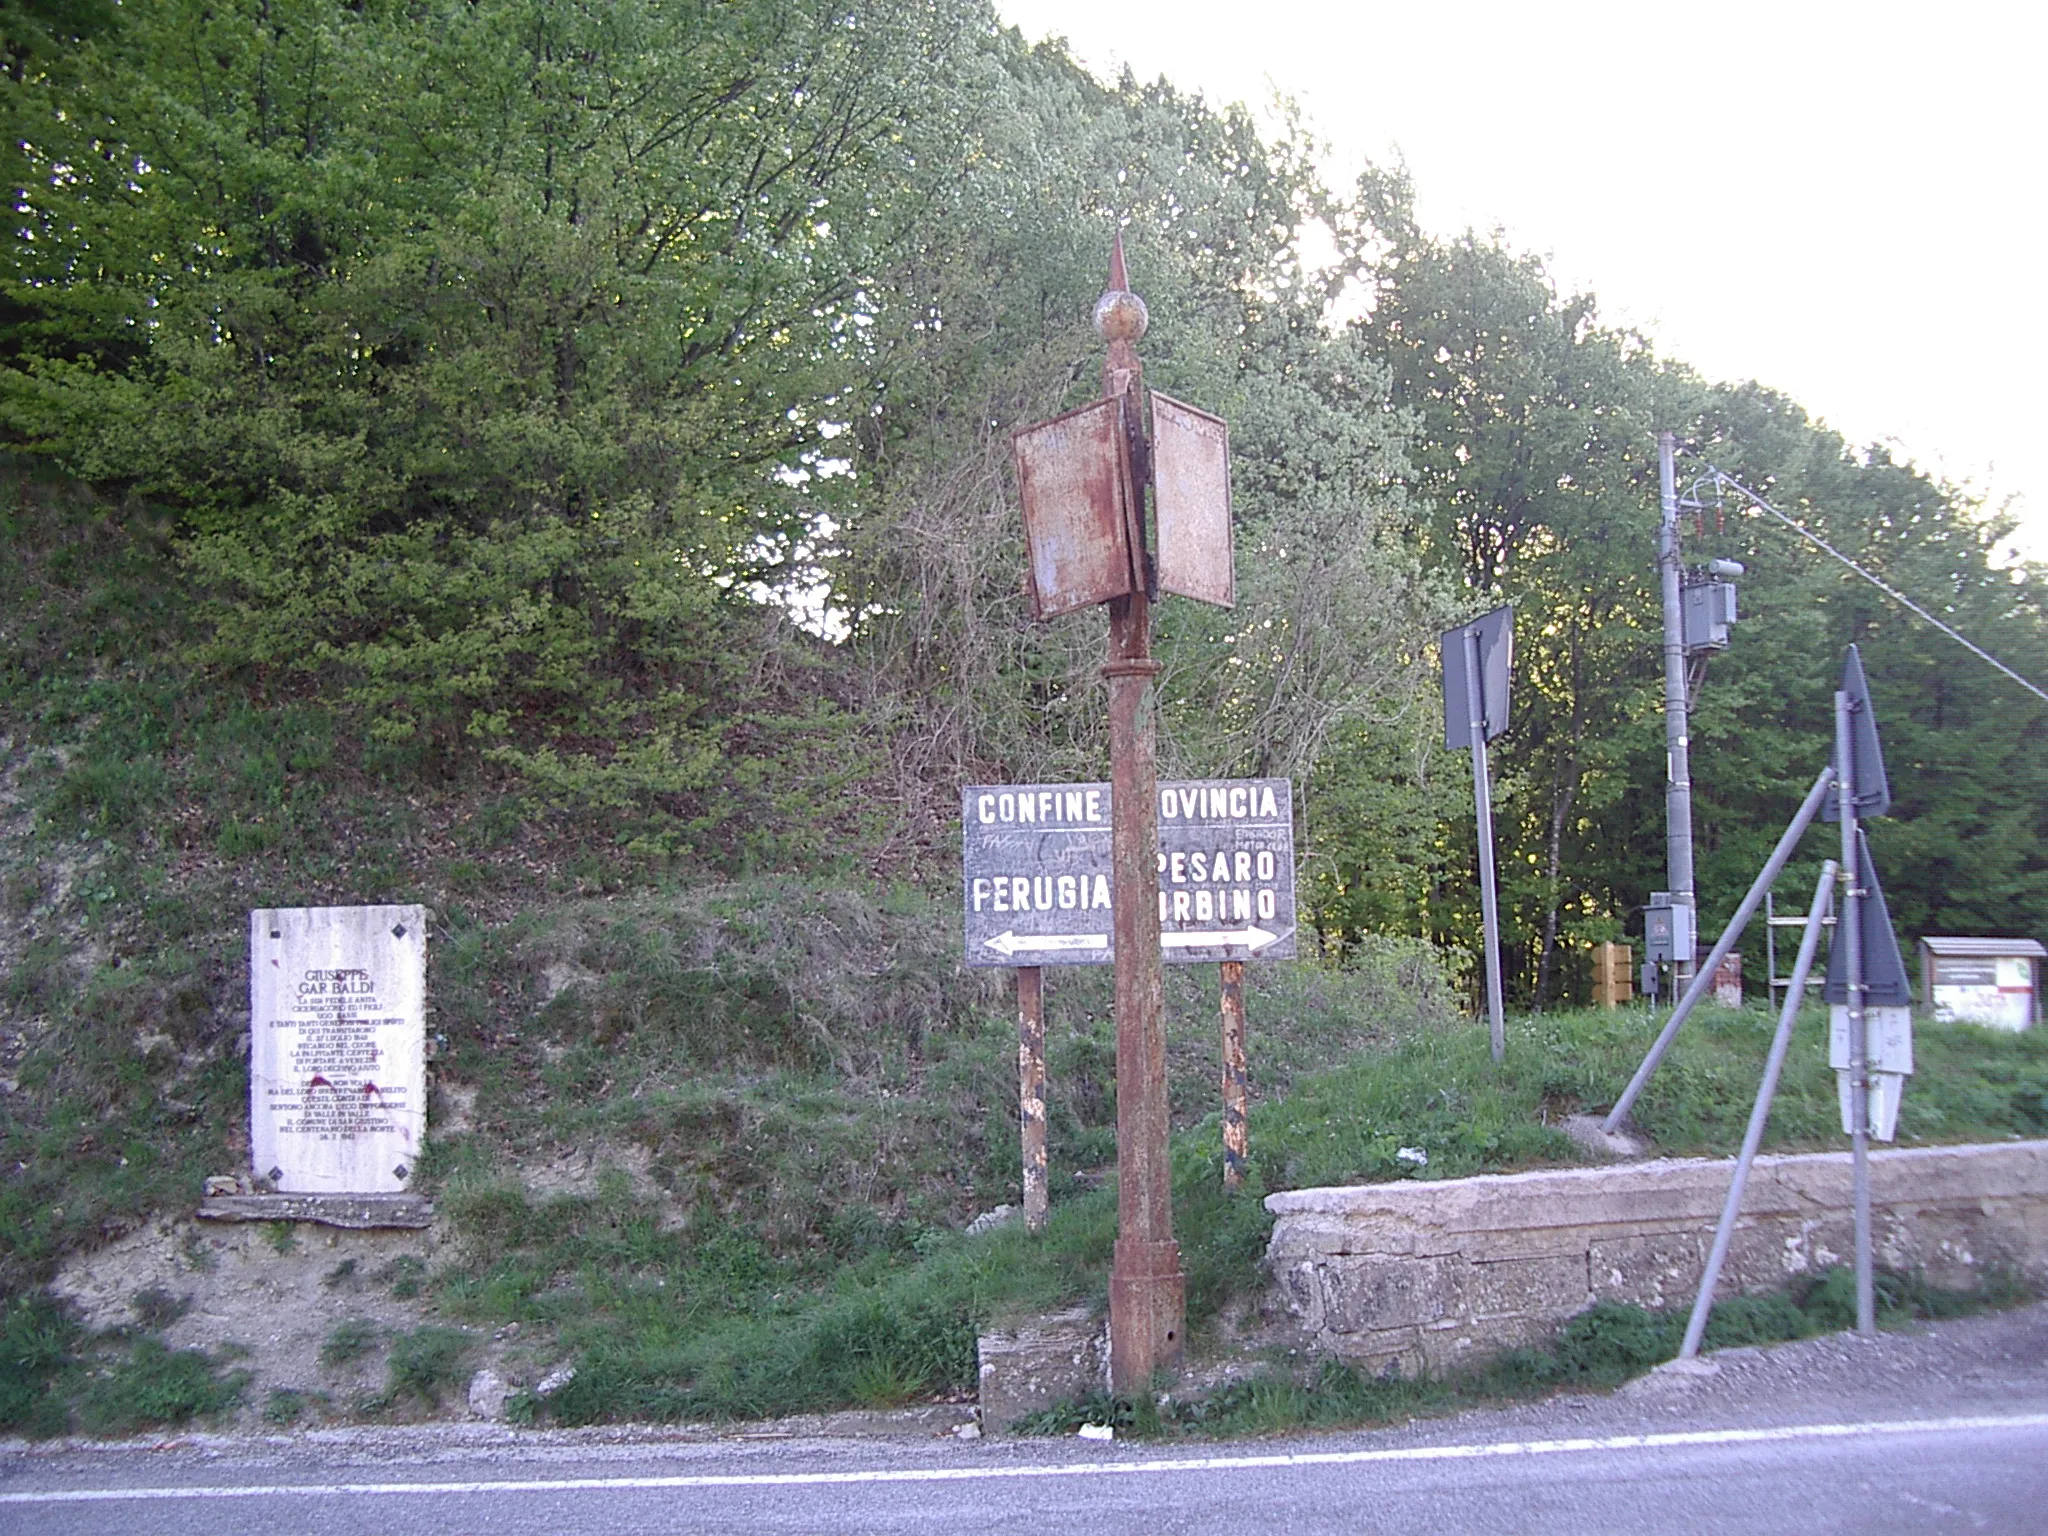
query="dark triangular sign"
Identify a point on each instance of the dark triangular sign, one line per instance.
(1884, 969)
(1873, 790)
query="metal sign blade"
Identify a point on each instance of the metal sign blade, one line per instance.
(1884, 968)
(1866, 757)
(1495, 633)
(1191, 502)
(1074, 477)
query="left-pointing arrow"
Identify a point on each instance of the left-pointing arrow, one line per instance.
(1008, 943)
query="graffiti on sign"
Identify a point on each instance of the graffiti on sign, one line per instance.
(1036, 860)
(337, 1055)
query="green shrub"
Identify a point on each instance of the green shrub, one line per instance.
(348, 1341)
(285, 1406)
(427, 1362)
(37, 1344)
(156, 1386)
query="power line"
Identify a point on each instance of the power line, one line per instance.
(1721, 478)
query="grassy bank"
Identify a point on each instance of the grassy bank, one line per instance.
(710, 1321)
(714, 1139)
(1601, 1348)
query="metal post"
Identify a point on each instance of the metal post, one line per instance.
(1236, 1133)
(1849, 932)
(1147, 1292)
(1031, 1091)
(1760, 1114)
(1770, 946)
(1677, 744)
(1482, 795)
(1780, 856)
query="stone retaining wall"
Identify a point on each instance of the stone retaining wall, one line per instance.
(1434, 1275)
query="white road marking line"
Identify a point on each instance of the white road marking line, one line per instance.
(1419, 1453)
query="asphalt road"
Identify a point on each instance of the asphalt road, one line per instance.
(1946, 1430)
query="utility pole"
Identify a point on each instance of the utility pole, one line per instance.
(1677, 744)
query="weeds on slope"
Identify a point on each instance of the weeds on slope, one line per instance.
(1600, 1349)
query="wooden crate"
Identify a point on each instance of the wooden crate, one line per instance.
(1613, 974)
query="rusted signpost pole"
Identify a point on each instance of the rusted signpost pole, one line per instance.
(1082, 479)
(1236, 1134)
(1147, 1292)
(1031, 1090)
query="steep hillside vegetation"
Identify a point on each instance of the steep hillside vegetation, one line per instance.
(552, 464)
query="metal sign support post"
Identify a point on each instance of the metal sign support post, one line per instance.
(1147, 1291)
(1082, 480)
(1031, 1091)
(1760, 1114)
(1849, 933)
(1236, 1132)
(1482, 792)
(1478, 661)
(1703, 979)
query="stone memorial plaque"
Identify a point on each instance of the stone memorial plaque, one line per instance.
(337, 1053)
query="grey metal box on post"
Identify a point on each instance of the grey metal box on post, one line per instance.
(1708, 609)
(1667, 930)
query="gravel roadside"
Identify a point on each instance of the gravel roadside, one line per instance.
(1993, 1364)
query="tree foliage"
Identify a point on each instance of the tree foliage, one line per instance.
(617, 398)
(1534, 453)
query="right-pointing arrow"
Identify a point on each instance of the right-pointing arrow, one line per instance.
(1239, 938)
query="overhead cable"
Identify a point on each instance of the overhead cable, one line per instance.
(1722, 478)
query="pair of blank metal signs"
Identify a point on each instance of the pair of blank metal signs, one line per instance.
(1084, 522)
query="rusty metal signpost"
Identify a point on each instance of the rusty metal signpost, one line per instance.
(1083, 478)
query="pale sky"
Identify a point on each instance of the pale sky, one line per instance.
(1843, 201)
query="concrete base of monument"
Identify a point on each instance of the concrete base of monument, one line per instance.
(1039, 1363)
(361, 1213)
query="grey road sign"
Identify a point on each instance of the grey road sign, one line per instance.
(1037, 872)
(1494, 634)
(1477, 658)
(1884, 968)
(1873, 789)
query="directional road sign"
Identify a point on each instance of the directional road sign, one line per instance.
(1191, 496)
(1037, 868)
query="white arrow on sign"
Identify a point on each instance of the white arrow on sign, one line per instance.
(1007, 943)
(1244, 938)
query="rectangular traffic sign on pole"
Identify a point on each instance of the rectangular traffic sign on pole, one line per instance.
(1490, 640)
(1477, 658)
(1036, 862)
(1074, 477)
